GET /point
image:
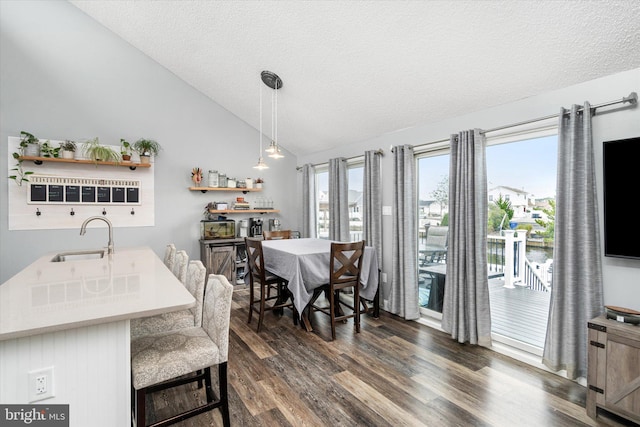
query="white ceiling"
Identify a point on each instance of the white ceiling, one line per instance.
(353, 70)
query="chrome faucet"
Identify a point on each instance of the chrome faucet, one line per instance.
(83, 229)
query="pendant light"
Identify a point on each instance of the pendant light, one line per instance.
(261, 164)
(274, 82)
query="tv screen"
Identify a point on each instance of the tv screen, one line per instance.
(621, 160)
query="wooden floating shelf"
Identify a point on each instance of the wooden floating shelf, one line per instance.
(230, 211)
(205, 189)
(40, 160)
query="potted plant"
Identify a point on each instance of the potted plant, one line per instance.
(146, 148)
(29, 144)
(48, 150)
(125, 150)
(259, 183)
(93, 150)
(68, 149)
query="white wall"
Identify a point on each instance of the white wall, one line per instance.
(64, 76)
(621, 277)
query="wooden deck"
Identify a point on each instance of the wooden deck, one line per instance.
(519, 314)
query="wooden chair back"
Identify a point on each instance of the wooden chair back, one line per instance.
(279, 234)
(255, 260)
(346, 264)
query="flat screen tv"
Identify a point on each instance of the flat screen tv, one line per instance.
(621, 162)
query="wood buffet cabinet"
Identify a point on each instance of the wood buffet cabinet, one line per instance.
(226, 257)
(613, 368)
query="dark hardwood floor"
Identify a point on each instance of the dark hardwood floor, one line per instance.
(394, 373)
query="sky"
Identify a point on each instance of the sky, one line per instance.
(528, 165)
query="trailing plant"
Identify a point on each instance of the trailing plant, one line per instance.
(21, 175)
(92, 149)
(146, 147)
(27, 139)
(46, 150)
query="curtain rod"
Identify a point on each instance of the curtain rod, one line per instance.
(378, 151)
(631, 99)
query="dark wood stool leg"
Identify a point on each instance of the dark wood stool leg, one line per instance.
(141, 397)
(224, 395)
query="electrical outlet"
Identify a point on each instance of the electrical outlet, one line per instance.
(40, 384)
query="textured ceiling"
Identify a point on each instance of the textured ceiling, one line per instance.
(353, 70)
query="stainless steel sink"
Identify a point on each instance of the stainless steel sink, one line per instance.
(79, 255)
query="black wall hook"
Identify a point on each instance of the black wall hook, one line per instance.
(104, 211)
(72, 213)
(133, 212)
(38, 213)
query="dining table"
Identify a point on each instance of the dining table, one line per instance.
(305, 263)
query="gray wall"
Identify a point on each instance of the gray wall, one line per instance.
(621, 277)
(64, 76)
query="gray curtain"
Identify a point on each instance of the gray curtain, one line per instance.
(576, 289)
(309, 202)
(403, 295)
(338, 200)
(372, 220)
(465, 313)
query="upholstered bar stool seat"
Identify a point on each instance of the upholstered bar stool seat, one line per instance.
(174, 358)
(188, 318)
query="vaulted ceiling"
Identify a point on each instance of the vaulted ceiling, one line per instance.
(353, 70)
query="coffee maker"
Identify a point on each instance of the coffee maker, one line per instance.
(255, 227)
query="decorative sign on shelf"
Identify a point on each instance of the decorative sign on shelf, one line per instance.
(67, 190)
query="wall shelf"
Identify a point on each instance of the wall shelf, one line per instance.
(235, 211)
(205, 189)
(40, 160)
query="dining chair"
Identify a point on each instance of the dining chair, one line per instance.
(345, 265)
(169, 359)
(170, 256)
(276, 234)
(180, 265)
(181, 319)
(259, 276)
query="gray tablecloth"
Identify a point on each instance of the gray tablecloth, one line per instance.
(304, 263)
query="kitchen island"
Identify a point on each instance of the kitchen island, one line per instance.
(74, 316)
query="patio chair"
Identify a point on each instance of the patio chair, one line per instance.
(436, 244)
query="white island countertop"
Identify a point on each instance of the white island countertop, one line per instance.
(53, 296)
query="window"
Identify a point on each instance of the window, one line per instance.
(322, 198)
(356, 188)
(355, 175)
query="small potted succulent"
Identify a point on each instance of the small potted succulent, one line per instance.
(259, 183)
(68, 149)
(125, 150)
(146, 148)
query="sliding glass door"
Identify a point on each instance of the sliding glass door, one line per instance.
(521, 174)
